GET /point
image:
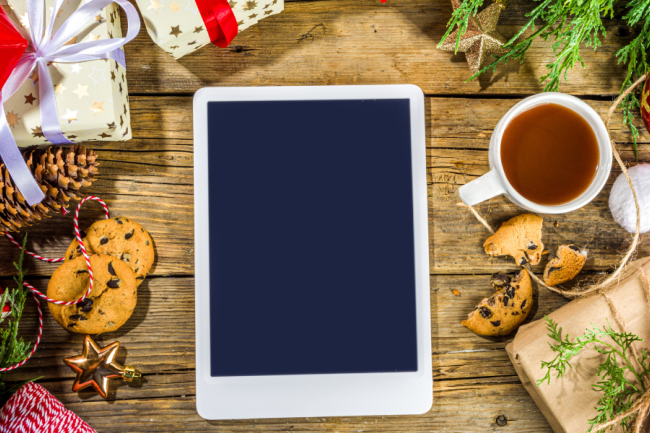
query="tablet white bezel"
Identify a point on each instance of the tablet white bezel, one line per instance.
(311, 395)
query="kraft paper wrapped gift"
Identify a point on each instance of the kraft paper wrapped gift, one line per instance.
(91, 97)
(568, 403)
(178, 27)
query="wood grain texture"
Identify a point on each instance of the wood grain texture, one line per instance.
(159, 340)
(359, 42)
(365, 42)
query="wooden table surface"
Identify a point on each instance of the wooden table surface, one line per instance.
(325, 42)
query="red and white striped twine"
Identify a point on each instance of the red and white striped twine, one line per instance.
(56, 301)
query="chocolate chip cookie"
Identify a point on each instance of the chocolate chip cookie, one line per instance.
(111, 301)
(503, 312)
(519, 237)
(565, 266)
(119, 237)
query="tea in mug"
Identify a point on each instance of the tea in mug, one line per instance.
(549, 154)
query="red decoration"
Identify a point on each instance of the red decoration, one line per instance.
(32, 409)
(219, 20)
(6, 309)
(645, 104)
(12, 46)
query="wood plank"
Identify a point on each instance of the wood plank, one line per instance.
(474, 381)
(159, 337)
(460, 131)
(459, 406)
(150, 179)
(365, 42)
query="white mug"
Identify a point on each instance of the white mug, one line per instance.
(495, 182)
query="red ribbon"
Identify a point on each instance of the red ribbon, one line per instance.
(12, 46)
(219, 20)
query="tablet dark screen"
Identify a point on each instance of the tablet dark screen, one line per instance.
(311, 237)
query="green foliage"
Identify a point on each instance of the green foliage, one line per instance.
(13, 349)
(618, 392)
(571, 24)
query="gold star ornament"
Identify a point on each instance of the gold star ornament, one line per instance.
(481, 38)
(96, 366)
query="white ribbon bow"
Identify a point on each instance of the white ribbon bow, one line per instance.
(44, 48)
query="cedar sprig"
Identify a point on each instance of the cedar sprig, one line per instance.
(572, 24)
(13, 349)
(618, 393)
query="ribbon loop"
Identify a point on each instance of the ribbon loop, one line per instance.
(220, 21)
(45, 48)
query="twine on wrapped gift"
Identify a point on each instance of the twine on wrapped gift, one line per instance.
(40, 49)
(641, 407)
(36, 292)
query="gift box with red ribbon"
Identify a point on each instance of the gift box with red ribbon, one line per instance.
(182, 27)
(62, 77)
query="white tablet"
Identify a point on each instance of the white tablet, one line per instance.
(312, 265)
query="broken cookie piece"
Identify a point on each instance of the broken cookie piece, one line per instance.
(565, 266)
(519, 237)
(503, 312)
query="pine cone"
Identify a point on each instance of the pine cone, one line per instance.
(60, 172)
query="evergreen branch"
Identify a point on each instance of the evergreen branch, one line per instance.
(572, 24)
(13, 349)
(618, 393)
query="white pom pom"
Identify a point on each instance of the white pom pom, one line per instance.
(621, 202)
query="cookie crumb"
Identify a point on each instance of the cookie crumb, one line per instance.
(455, 292)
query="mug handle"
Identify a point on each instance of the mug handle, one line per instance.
(485, 187)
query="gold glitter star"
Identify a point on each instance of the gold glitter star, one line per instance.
(34, 77)
(240, 23)
(81, 91)
(252, 16)
(267, 6)
(24, 21)
(481, 38)
(176, 30)
(103, 135)
(250, 5)
(191, 43)
(126, 132)
(155, 5)
(59, 88)
(29, 99)
(268, 12)
(97, 107)
(12, 118)
(121, 121)
(99, 18)
(173, 47)
(113, 75)
(112, 125)
(37, 132)
(174, 6)
(232, 4)
(94, 37)
(70, 115)
(71, 41)
(198, 29)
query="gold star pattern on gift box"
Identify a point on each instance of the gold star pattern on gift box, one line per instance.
(177, 27)
(481, 38)
(87, 99)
